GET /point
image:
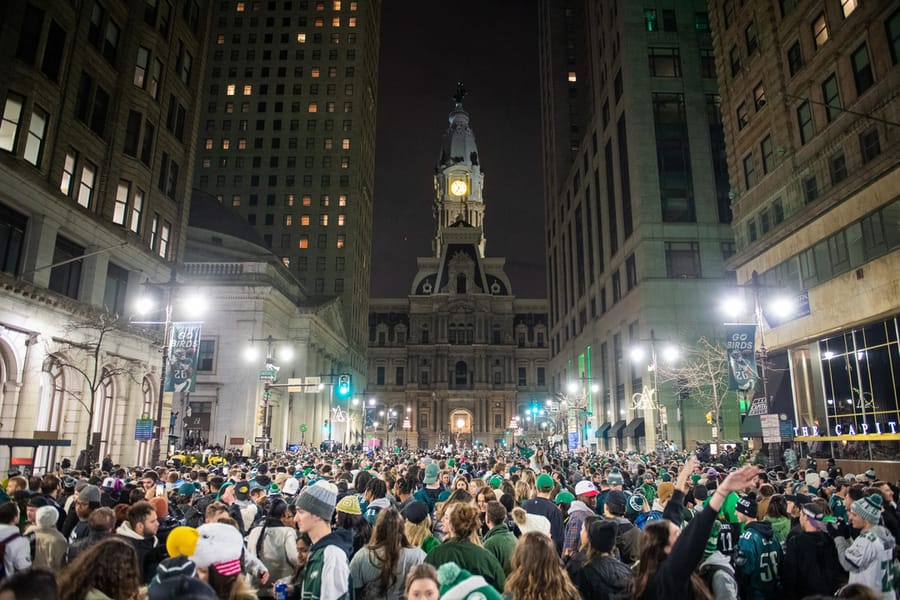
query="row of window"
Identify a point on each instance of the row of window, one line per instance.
(279, 107)
(303, 241)
(318, 283)
(666, 62)
(281, 72)
(13, 124)
(461, 377)
(302, 263)
(293, 124)
(289, 220)
(290, 200)
(288, 5)
(271, 181)
(299, 55)
(668, 23)
(232, 89)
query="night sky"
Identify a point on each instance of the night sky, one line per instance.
(426, 47)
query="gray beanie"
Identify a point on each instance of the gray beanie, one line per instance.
(319, 499)
(89, 493)
(868, 508)
(46, 517)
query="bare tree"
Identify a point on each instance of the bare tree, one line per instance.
(83, 351)
(702, 374)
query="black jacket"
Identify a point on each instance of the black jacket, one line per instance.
(545, 508)
(811, 566)
(604, 578)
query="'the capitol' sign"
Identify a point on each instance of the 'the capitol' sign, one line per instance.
(864, 429)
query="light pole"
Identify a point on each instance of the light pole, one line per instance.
(576, 401)
(371, 406)
(269, 375)
(650, 400)
(407, 424)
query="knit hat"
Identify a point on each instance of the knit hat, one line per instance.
(869, 508)
(242, 491)
(747, 505)
(459, 584)
(712, 542)
(665, 491)
(291, 486)
(350, 505)
(414, 512)
(870, 474)
(495, 482)
(635, 504)
(527, 522)
(181, 588)
(219, 545)
(431, 473)
(602, 535)
(273, 489)
(319, 499)
(544, 483)
(451, 463)
(586, 488)
(187, 489)
(46, 517)
(564, 497)
(182, 541)
(615, 477)
(615, 502)
(173, 567)
(89, 493)
(161, 506)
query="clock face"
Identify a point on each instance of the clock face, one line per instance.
(458, 187)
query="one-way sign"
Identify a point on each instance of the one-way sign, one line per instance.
(262, 440)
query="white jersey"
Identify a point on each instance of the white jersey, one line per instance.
(869, 560)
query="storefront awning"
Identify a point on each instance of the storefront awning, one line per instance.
(615, 429)
(751, 427)
(603, 429)
(635, 428)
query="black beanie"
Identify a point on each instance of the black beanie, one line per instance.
(602, 535)
(747, 505)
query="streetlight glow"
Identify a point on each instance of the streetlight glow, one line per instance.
(371, 401)
(670, 353)
(782, 307)
(251, 353)
(572, 387)
(194, 305)
(285, 353)
(595, 388)
(460, 423)
(733, 306)
(637, 354)
(144, 305)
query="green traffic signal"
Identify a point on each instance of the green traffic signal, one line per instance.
(344, 389)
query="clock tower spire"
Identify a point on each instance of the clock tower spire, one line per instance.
(458, 179)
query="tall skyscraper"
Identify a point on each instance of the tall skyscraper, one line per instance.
(809, 98)
(637, 209)
(287, 137)
(96, 156)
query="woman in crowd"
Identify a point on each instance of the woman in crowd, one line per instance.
(537, 573)
(274, 543)
(348, 515)
(440, 509)
(594, 571)
(483, 496)
(667, 553)
(107, 570)
(379, 569)
(217, 556)
(778, 516)
(422, 583)
(461, 522)
(417, 526)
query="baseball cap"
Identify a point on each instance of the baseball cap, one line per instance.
(544, 482)
(564, 496)
(415, 512)
(586, 488)
(799, 499)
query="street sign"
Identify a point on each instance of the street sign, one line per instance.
(267, 375)
(143, 429)
(262, 440)
(758, 407)
(407, 424)
(267, 395)
(303, 428)
(306, 385)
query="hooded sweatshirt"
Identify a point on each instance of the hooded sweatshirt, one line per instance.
(781, 526)
(719, 575)
(578, 510)
(811, 566)
(869, 559)
(149, 552)
(758, 556)
(602, 577)
(327, 574)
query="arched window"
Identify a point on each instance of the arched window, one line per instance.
(50, 406)
(461, 373)
(104, 404)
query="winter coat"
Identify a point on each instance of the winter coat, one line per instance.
(327, 573)
(17, 556)
(49, 547)
(83, 544)
(781, 527)
(578, 511)
(501, 542)
(545, 508)
(811, 566)
(470, 557)
(278, 551)
(150, 553)
(869, 559)
(604, 578)
(365, 573)
(757, 561)
(719, 576)
(627, 539)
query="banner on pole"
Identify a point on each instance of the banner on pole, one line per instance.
(184, 350)
(740, 343)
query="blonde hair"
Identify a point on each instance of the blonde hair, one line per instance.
(523, 492)
(537, 573)
(416, 533)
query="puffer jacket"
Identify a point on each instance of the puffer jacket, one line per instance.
(278, 550)
(604, 578)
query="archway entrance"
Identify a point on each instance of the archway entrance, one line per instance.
(461, 428)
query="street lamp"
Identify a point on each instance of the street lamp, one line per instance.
(577, 405)
(276, 354)
(652, 401)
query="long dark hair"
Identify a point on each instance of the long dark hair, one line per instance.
(275, 509)
(362, 529)
(387, 543)
(110, 566)
(654, 540)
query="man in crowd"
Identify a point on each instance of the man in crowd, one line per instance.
(542, 505)
(140, 530)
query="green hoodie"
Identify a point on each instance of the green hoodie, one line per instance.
(781, 527)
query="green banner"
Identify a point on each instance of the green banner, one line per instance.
(740, 342)
(181, 364)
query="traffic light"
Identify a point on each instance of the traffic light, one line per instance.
(260, 415)
(343, 386)
(743, 406)
(709, 418)
(325, 425)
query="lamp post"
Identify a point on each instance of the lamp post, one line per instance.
(652, 405)
(370, 406)
(407, 424)
(576, 400)
(269, 376)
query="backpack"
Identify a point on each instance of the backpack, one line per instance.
(708, 572)
(3, 544)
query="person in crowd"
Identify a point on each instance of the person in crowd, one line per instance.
(376, 500)
(49, 544)
(330, 550)
(217, 556)
(777, 515)
(811, 564)
(274, 542)
(461, 521)
(349, 517)
(86, 501)
(627, 535)
(716, 569)
(422, 583)
(140, 531)
(107, 570)
(482, 497)
(33, 584)
(499, 540)
(417, 526)
(595, 572)
(869, 558)
(379, 569)
(16, 548)
(457, 496)
(542, 505)
(669, 554)
(101, 524)
(582, 507)
(537, 573)
(759, 553)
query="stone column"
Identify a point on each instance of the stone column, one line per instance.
(93, 277)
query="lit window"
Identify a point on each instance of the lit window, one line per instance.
(137, 210)
(848, 7)
(342, 200)
(304, 220)
(226, 144)
(324, 220)
(164, 240)
(303, 244)
(820, 30)
(86, 186)
(340, 221)
(354, 5)
(301, 38)
(229, 90)
(120, 210)
(208, 144)
(326, 200)
(314, 72)
(320, 6)
(68, 174)
(329, 143)
(307, 201)
(239, 7)
(229, 107)
(351, 22)
(572, 77)
(336, 22)
(248, 90)
(345, 162)
(313, 107)
(340, 240)
(345, 144)
(336, 5)
(34, 143)
(236, 200)
(319, 23)
(288, 220)
(220, 39)
(9, 128)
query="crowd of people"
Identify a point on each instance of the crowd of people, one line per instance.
(536, 523)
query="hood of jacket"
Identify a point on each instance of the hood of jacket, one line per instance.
(379, 503)
(763, 528)
(884, 536)
(579, 506)
(717, 558)
(496, 531)
(126, 531)
(342, 538)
